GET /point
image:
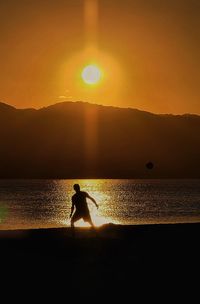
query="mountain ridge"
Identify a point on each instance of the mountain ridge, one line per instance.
(63, 103)
(83, 140)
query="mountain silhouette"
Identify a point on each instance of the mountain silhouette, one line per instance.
(82, 140)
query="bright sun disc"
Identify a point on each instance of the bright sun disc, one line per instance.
(91, 74)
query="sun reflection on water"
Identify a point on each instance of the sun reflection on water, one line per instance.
(97, 215)
(97, 220)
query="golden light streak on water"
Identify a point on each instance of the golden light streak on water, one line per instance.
(96, 214)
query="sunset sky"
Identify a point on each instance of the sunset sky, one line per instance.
(147, 52)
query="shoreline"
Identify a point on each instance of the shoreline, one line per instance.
(136, 240)
(105, 230)
(99, 227)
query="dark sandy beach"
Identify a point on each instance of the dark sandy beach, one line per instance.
(118, 260)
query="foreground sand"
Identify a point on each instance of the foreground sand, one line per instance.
(115, 260)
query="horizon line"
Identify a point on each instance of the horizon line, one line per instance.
(97, 104)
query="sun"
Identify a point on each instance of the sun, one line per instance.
(91, 74)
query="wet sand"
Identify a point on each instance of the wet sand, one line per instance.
(115, 260)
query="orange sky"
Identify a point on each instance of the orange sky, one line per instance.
(148, 51)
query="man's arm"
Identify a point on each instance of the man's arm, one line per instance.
(93, 200)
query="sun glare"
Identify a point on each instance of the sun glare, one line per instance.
(91, 74)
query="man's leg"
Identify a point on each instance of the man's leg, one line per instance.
(91, 223)
(72, 228)
(73, 220)
(88, 220)
(92, 226)
(72, 223)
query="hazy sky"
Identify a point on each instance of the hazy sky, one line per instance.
(148, 51)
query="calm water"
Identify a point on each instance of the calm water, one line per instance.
(46, 203)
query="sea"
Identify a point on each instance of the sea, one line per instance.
(40, 203)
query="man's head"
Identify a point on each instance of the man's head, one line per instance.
(77, 187)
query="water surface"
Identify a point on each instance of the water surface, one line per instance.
(46, 203)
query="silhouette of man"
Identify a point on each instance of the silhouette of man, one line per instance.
(80, 203)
